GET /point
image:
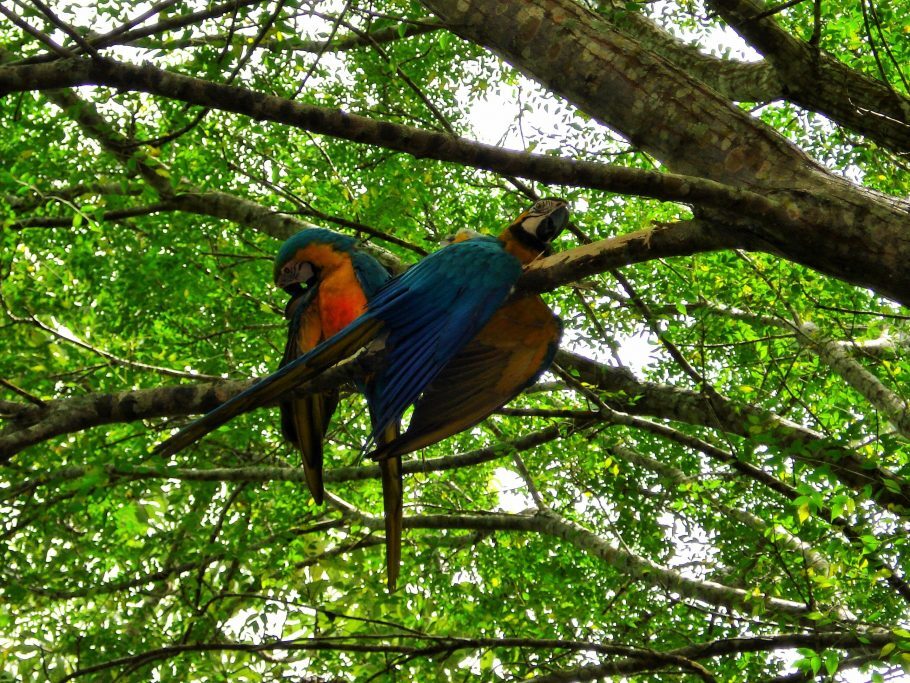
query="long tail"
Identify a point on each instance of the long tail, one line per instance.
(333, 350)
(393, 506)
(305, 420)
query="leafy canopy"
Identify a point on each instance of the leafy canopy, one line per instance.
(698, 492)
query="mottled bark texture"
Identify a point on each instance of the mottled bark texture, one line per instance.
(27, 425)
(749, 186)
(837, 228)
(417, 142)
(630, 564)
(762, 427)
(817, 81)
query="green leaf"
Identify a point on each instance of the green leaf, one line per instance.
(831, 660)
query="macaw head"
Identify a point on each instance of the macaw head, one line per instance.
(531, 233)
(303, 257)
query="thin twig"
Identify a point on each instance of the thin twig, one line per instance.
(31, 398)
(66, 28)
(31, 30)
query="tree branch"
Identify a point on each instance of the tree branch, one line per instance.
(692, 129)
(788, 219)
(118, 36)
(420, 143)
(738, 81)
(812, 557)
(750, 422)
(268, 473)
(625, 562)
(683, 238)
(69, 415)
(817, 81)
(342, 43)
(838, 358)
(874, 639)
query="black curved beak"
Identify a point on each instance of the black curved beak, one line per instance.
(552, 225)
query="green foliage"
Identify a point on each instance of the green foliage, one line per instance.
(110, 556)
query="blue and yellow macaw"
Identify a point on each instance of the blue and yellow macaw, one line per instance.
(433, 322)
(330, 282)
(506, 356)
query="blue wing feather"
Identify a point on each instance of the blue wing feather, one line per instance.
(427, 315)
(431, 312)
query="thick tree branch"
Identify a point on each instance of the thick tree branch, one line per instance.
(812, 557)
(694, 130)
(625, 562)
(873, 640)
(790, 221)
(750, 422)
(637, 659)
(86, 115)
(738, 81)
(634, 659)
(70, 415)
(660, 241)
(75, 414)
(817, 81)
(870, 387)
(607, 74)
(64, 416)
(420, 143)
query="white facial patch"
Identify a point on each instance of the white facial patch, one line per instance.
(531, 223)
(305, 271)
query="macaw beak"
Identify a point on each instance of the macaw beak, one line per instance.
(556, 222)
(296, 292)
(551, 226)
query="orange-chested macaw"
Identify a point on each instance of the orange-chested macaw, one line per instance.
(330, 282)
(506, 356)
(425, 318)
